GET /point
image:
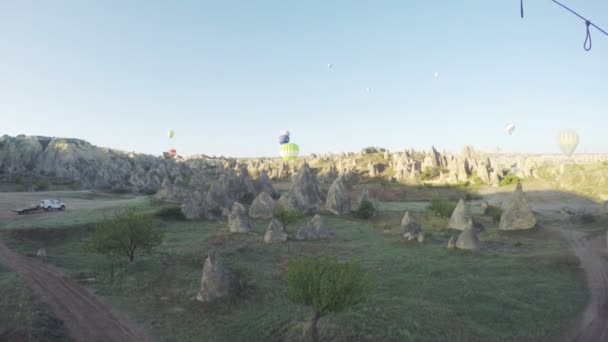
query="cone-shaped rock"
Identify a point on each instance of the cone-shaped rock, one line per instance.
(468, 240)
(275, 232)
(517, 213)
(262, 206)
(263, 184)
(41, 253)
(194, 207)
(452, 243)
(217, 281)
(409, 225)
(238, 221)
(305, 193)
(461, 217)
(338, 200)
(483, 207)
(313, 230)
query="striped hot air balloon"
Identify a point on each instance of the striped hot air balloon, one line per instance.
(568, 141)
(289, 151)
(171, 134)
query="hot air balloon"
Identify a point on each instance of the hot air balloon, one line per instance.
(568, 141)
(436, 74)
(283, 139)
(285, 133)
(171, 133)
(510, 128)
(289, 151)
(172, 153)
(329, 66)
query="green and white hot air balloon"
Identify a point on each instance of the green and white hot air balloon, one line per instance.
(289, 151)
(568, 141)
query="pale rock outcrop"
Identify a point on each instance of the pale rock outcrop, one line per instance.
(217, 282)
(468, 240)
(275, 232)
(262, 206)
(238, 221)
(461, 218)
(315, 229)
(338, 200)
(517, 213)
(305, 193)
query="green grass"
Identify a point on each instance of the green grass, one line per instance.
(22, 315)
(522, 285)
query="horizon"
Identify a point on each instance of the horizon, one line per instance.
(228, 78)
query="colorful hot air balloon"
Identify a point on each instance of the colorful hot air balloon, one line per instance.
(283, 139)
(289, 151)
(568, 141)
(172, 153)
(171, 133)
(510, 128)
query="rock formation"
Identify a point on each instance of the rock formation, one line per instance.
(468, 240)
(315, 229)
(517, 213)
(461, 218)
(275, 232)
(262, 206)
(217, 281)
(338, 200)
(409, 226)
(305, 193)
(263, 184)
(238, 221)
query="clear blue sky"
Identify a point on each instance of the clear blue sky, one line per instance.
(228, 76)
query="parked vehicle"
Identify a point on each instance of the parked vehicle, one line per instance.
(51, 204)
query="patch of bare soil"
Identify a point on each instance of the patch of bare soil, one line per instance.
(85, 316)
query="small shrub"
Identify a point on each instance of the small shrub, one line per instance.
(429, 173)
(42, 184)
(170, 213)
(366, 210)
(494, 212)
(326, 285)
(509, 179)
(287, 217)
(587, 218)
(441, 207)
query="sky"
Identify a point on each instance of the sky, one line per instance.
(229, 76)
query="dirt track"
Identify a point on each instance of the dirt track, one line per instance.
(85, 316)
(589, 248)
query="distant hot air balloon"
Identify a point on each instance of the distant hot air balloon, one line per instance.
(171, 133)
(568, 141)
(329, 66)
(436, 74)
(289, 151)
(283, 139)
(510, 128)
(172, 153)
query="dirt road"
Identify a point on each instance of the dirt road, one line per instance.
(85, 316)
(589, 248)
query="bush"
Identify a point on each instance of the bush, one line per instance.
(286, 216)
(509, 179)
(42, 184)
(170, 213)
(366, 210)
(326, 285)
(125, 233)
(429, 173)
(494, 212)
(441, 207)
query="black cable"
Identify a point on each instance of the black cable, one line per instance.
(521, 8)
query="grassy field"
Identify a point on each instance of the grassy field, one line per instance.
(520, 286)
(22, 316)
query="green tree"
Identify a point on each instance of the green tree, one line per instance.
(365, 210)
(124, 233)
(286, 216)
(326, 285)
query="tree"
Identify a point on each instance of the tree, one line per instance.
(287, 217)
(124, 233)
(326, 285)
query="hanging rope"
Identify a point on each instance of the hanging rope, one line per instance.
(588, 37)
(587, 45)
